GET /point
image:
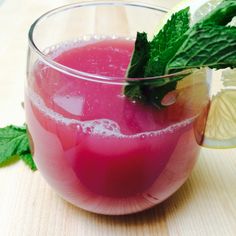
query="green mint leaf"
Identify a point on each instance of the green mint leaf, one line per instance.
(13, 142)
(28, 160)
(139, 57)
(176, 48)
(10, 161)
(206, 46)
(209, 43)
(136, 67)
(133, 90)
(165, 44)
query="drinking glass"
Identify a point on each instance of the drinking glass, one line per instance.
(98, 149)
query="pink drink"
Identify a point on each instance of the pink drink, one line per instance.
(98, 149)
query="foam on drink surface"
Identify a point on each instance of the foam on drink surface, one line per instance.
(103, 127)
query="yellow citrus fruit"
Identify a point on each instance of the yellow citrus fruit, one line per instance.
(220, 130)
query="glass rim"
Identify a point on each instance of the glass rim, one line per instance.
(81, 74)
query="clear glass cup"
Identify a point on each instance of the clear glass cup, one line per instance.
(98, 149)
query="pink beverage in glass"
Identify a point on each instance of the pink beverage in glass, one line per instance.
(100, 150)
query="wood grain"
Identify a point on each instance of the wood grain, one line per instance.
(204, 206)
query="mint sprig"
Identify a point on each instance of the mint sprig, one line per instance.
(179, 47)
(14, 144)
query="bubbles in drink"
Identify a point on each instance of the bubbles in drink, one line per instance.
(104, 127)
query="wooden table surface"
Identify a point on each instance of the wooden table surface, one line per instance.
(205, 205)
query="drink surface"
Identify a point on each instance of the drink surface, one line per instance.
(98, 149)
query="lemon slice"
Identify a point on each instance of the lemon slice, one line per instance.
(220, 131)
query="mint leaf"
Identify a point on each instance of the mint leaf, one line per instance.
(136, 67)
(13, 142)
(165, 44)
(133, 90)
(139, 57)
(206, 46)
